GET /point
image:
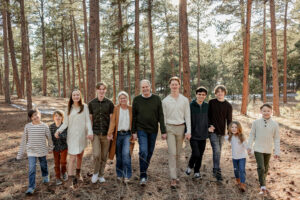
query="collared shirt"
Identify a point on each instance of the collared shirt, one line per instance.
(177, 111)
(124, 120)
(101, 110)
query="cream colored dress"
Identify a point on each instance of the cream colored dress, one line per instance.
(79, 126)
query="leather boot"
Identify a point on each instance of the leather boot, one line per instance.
(243, 187)
(238, 181)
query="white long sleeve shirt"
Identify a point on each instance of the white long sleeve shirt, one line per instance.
(265, 136)
(239, 150)
(177, 111)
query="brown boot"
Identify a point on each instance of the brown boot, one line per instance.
(78, 175)
(238, 181)
(243, 187)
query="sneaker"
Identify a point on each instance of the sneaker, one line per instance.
(263, 190)
(173, 184)
(29, 191)
(219, 176)
(101, 179)
(95, 178)
(188, 171)
(58, 182)
(126, 180)
(46, 179)
(197, 175)
(119, 179)
(143, 182)
(65, 177)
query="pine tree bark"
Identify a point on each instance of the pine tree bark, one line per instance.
(1, 80)
(12, 53)
(179, 44)
(120, 47)
(274, 60)
(57, 68)
(151, 45)
(43, 47)
(94, 17)
(5, 49)
(285, 54)
(26, 55)
(185, 49)
(128, 61)
(63, 60)
(77, 59)
(98, 53)
(114, 77)
(68, 68)
(72, 53)
(245, 92)
(243, 26)
(86, 41)
(264, 57)
(198, 48)
(137, 49)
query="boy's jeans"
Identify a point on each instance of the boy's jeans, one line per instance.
(32, 169)
(123, 166)
(239, 169)
(216, 142)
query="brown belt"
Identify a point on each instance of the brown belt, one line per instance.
(176, 124)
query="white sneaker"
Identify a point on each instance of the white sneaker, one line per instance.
(95, 178)
(143, 182)
(101, 179)
(188, 171)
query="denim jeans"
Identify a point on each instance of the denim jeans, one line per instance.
(146, 145)
(216, 142)
(32, 169)
(123, 166)
(239, 169)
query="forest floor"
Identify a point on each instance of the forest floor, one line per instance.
(283, 179)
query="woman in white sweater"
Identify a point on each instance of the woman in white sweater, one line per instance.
(79, 126)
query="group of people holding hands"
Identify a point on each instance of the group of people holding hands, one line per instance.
(113, 130)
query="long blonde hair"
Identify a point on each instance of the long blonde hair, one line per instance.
(240, 134)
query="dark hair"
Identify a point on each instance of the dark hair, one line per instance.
(239, 131)
(201, 89)
(32, 111)
(266, 105)
(71, 102)
(98, 85)
(60, 113)
(220, 87)
(174, 78)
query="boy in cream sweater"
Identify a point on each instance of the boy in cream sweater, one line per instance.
(265, 136)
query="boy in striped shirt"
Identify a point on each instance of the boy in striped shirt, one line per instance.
(34, 143)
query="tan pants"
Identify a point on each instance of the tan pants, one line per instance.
(175, 139)
(100, 151)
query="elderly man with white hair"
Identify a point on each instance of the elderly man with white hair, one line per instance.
(147, 112)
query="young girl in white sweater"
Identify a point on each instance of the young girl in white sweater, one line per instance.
(239, 152)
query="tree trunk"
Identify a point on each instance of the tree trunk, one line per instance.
(242, 8)
(179, 45)
(128, 61)
(114, 77)
(72, 52)
(57, 68)
(151, 45)
(198, 48)
(285, 54)
(120, 48)
(63, 60)
(26, 55)
(77, 58)
(1, 80)
(98, 53)
(5, 49)
(185, 49)
(274, 60)
(137, 49)
(43, 48)
(264, 57)
(68, 69)
(245, 92)
(94, 20)
(83, 85)
(12, 53)
(86, 42)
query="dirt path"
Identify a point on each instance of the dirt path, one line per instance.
(283, 179)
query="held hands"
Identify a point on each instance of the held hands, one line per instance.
(249, 151)
(164, 136)
(90, 137)
(57, 134)
(188, 136)
(110, 137)
(276, 157)
(134, 135)
(211, 129)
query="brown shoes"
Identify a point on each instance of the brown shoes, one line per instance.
(242, 187)
(173, 183)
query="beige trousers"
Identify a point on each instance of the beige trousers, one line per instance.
(100, 151)
(175, 139)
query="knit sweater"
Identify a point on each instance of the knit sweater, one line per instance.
(147, 113)
(36, 140)
(264, 133)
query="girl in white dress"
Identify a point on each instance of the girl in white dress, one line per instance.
(79, 126)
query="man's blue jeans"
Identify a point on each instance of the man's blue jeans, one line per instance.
(32, 169)
(123, 166)
(239, 169)
(216, 142)
(146, 144)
